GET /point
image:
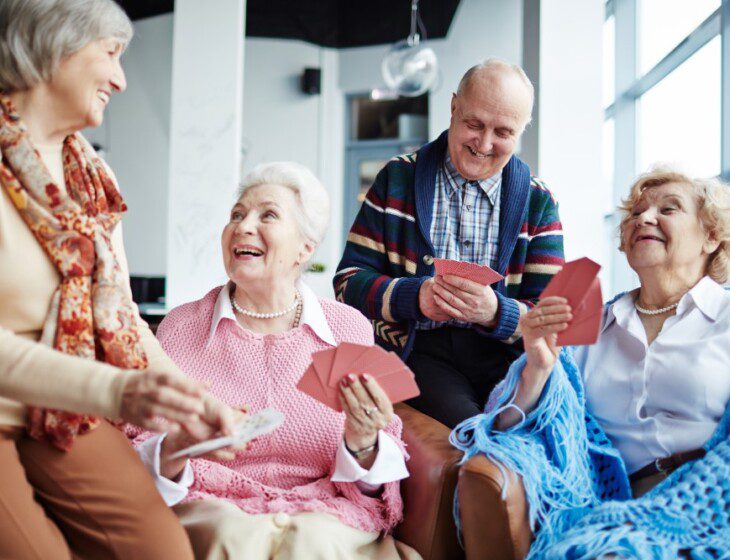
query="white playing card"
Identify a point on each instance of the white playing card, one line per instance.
(251, 427)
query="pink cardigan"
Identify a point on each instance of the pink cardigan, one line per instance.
(290, 469)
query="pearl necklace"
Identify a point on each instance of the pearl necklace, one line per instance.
(257, 315)
(654, 311)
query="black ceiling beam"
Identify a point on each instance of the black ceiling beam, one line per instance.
(328, 23)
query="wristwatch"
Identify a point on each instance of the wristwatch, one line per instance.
(363, 452)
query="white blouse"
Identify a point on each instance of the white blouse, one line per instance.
(656, 400)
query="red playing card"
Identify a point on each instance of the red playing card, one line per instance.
(388, 363)
(476, 273)
(322, 362)
(310, 384)
(347, 353)
(578, 283)
(365, 361)
(399, 385)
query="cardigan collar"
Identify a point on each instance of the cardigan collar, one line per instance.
(514, 194)
(312, 313)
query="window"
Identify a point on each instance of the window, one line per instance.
(679, 118)
(664, 96)
(663, 24)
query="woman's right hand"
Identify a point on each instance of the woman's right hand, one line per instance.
(150, 395)
(540, 327)
(219, 419)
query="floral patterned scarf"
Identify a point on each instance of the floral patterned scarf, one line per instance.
(91, 315)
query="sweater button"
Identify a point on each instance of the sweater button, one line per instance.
(427, 260)
(281, 520)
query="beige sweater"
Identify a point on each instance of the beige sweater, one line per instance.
(32, 373)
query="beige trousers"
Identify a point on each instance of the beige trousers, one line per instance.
(219, 530)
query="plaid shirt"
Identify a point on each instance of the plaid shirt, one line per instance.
(465, 224)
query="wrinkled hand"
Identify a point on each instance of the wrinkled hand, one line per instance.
(218, 419)
(367, 409)
(540, 328)
(427, 303)
(148, 396)
(466, 300)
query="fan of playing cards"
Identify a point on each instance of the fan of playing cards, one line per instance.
(322, 378)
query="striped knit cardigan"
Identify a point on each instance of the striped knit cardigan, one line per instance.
(389, 253)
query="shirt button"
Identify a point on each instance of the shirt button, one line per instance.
(281, 520)
(467, 242)
(468, 206)
(427, 260)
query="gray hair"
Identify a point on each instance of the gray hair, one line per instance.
(312, 197)
(494, 63)
(713, 210)
(35, 35)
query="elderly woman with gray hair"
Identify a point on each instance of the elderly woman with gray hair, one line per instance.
(73, 349)
(624, 446)
(325, 484)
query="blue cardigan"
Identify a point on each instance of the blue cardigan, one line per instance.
(389, 253)
(577, 486)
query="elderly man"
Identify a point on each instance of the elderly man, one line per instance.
(465, 196)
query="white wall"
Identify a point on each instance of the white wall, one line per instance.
(136, 137)
(570, 127)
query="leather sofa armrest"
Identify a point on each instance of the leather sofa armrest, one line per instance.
(492, 527)
(428, 492)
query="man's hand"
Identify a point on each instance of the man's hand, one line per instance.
(466, 300)
(427, 302)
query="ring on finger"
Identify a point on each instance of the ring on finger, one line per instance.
(370, 410)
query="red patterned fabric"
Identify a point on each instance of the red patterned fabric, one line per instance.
(91, 315)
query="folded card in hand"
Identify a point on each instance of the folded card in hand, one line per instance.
(322, 378)
(251, 427)
(578, 283)
(480, 274)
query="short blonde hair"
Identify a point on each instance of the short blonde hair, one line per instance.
(36, 35)
(713, 210)
(312, 197)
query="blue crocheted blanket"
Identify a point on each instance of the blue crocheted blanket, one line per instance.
(577, 486)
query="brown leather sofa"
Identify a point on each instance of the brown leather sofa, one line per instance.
(492, 528)
(428, 493)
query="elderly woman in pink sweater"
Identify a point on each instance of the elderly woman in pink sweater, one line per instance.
(325, 484)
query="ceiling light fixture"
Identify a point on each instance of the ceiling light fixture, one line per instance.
(409, 68)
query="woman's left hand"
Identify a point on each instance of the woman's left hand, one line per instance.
(367, 409)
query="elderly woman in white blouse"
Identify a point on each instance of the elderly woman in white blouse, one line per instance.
(649, 397)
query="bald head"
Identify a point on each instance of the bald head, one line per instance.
(505, 80)
(489, 112)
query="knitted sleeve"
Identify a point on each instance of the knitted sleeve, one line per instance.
(538, 256)
(375, 273)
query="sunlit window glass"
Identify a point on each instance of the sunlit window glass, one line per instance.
(679, 118)
(664, 23)
(609, 62)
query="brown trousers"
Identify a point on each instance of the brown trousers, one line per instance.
(95, 501)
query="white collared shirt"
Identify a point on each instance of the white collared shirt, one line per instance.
(389, 464)
(664, 398)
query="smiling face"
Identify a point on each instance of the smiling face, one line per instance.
(262, 242)
(487, 119)
(85, 81)
(664, 231)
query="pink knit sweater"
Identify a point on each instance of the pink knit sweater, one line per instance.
(288, 470)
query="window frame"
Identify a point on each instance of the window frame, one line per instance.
(630, 86)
